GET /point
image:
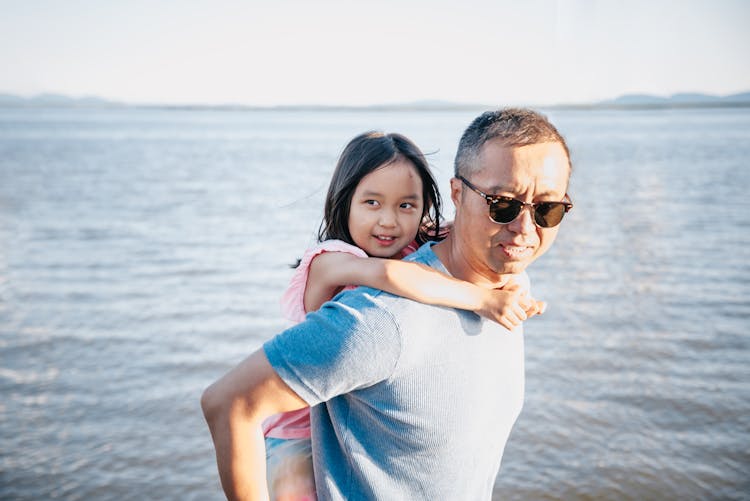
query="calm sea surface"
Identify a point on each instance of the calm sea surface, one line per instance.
(142, 254)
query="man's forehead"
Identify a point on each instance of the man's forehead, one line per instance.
(505, 166)
(498, 148)
(494, 153)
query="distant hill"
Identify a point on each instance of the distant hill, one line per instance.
(743, 97)
(63, 101)
(427, 104)
(55, 101)
(685, 99)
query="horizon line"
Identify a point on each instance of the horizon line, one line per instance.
(631, 100)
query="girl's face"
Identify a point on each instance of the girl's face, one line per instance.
(386, 209)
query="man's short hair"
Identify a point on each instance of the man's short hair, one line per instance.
(513, 126)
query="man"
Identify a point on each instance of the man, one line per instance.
(416, 401)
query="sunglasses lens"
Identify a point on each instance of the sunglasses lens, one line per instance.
(505, 211)
(549, 214)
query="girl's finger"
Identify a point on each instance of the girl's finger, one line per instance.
(525, 302)
(505, 323)
(519, 313)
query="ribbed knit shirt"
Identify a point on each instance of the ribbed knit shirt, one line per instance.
(411, 401)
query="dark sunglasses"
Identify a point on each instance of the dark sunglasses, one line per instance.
(504, 210)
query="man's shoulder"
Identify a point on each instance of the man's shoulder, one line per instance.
(426, 255)
(362, 296)
(360, 309)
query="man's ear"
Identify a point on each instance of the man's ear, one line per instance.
(456, 190)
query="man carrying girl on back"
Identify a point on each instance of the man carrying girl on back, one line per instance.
(381, 205)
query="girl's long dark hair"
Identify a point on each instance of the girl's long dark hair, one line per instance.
(364, 154)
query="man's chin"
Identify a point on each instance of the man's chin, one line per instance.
(511, 267)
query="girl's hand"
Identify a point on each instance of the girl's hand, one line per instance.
(510, 306)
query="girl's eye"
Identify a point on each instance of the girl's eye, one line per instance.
(408, 205)
(373, 203)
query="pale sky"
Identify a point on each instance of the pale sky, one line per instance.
(349, 52)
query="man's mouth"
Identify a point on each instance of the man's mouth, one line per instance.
(517, 251)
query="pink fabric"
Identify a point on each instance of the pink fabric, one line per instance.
(412, 247)
(296, 424)
(293, 300)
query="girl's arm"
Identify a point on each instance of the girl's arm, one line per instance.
(331, 271)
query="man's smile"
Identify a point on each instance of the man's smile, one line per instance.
(514, 251)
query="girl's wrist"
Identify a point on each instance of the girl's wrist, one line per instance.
(481, 299)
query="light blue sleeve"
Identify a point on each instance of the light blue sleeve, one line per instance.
(350, 343)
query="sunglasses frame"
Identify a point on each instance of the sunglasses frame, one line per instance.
(567, 203)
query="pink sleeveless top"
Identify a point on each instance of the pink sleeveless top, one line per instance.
(296, 424)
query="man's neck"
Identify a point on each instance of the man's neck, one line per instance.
(458, 266)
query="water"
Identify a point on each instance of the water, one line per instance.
(142, 254)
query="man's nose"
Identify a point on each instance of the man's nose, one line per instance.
(524, 223)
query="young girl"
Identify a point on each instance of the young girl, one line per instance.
(382, 203)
